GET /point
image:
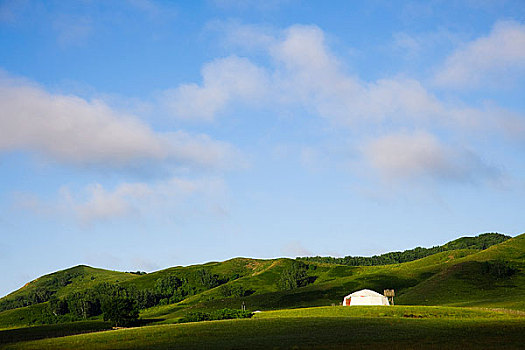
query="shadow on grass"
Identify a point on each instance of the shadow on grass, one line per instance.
(147, 321)
(51, 331)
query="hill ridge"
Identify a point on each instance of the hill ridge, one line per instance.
(481, 241)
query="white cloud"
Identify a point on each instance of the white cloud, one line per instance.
(496, 58)
(73, 130)
(307, 75)
(304, 74)
(313, 76)
(172, 198)
(224, 80)
(510, 123)
(104, 205)
(409, 156)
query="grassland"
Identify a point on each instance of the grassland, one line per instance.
(397, 327)
(303, 317)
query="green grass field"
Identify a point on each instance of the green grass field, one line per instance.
(397, 327)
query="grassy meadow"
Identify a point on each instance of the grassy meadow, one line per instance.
(395, 327)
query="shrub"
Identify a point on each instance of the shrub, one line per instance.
(226, 314)
(195, 317)
(222, 314)
(233, 291)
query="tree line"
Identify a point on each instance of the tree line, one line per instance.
(482, 241)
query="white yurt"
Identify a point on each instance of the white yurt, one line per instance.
(365, 297)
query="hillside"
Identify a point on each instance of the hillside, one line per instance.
(61, 283)
(492, 277)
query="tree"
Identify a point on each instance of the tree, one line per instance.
(498, 268)
(166, 286)
(293, 276)
(83, 304)
(120, 310)
(207, 279)
(146, 298)
(58, 306)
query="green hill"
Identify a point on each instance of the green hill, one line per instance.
(61, 283)
(417, 282)
(492, 277)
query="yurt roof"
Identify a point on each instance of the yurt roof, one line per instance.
(364, 293)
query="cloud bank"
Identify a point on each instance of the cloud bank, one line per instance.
(408, 156)
(72, 130)
(304, 74)
(175, 198)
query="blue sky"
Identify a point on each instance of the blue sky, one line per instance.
(141, 134)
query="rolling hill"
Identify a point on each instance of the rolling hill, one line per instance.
(492, 277)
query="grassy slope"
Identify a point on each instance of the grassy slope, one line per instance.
(396, 327)
(20, 317)
(464, 284)
(226, 269)
(332, 283)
